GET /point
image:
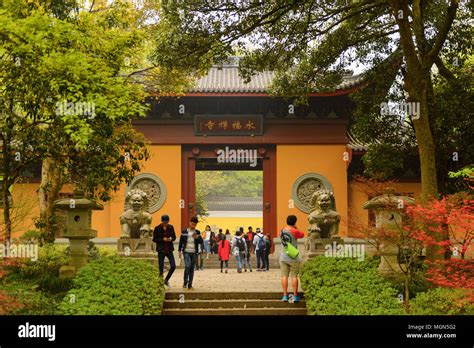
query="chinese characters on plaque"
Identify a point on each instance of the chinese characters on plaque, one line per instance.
(228, 125)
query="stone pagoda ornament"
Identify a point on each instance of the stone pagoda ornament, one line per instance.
(388, 209)
(135, 222)
(323, 223)
(78, 229)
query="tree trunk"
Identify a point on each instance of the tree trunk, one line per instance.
(6, 188)
(426, 145)
(48, 192)
(6, 212)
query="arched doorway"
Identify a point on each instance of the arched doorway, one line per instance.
(193, 154)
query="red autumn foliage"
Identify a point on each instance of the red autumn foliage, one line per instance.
(449, 224)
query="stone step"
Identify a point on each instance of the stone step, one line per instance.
(236, 311)
(242, 304)
(207, 295)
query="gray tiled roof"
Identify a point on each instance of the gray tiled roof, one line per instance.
(234, 203)
(226, 79)
(355, 144)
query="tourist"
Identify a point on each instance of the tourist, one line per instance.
(220, 235)
(259, 246)
(250, 234)
(290, 266)
(224, 253)
(188, 247)
(164, 236)
(207, 240)
(268, 247)
(228, 236)
(199, 251)
(239, 249)
(213, 241)
(249, 247)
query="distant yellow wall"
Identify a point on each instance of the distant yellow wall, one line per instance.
(296, 160)
(358, 196)
(165, 162)
(24, 210)
(231, 223)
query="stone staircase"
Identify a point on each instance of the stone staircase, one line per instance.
(230, 303)
(214, 263)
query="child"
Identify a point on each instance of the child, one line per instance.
(224, 253)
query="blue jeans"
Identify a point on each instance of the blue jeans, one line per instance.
(188, 268)
(161, 264)
(207, 247)
(261, 257)
(241, 259)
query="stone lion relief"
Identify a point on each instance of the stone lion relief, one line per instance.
(305, 186)
(154, 188)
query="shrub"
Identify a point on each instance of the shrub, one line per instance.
(30, 237)
(113, 285)
(50, 259)
(335, 286)
(21, 297)
(443, 301)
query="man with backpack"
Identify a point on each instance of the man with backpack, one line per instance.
(239, 249)
(260, 245)
(290, 260)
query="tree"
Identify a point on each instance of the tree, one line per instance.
(311, 43)
(392, 150)
(60, 94)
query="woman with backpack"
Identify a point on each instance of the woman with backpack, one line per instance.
(224, 253)
(239, 249)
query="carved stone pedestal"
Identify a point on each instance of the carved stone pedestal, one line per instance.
(317, 246)
(137, 248)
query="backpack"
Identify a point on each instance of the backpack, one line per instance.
(288, 248)
(261, 243)
(240, 244)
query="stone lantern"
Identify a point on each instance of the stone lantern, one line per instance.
(78, 229)
(388, 209)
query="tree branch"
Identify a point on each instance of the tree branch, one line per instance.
(443, 33)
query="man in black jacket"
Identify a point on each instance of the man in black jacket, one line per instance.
(189, 244)
(164, 236)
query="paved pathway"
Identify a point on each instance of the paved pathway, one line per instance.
(215, 281)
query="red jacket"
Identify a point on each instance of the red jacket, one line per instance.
(224, 251)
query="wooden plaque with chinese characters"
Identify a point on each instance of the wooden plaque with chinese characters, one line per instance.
(228, 124)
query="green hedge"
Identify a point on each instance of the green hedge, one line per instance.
(443, 301)
(115, 286)
(344, 286)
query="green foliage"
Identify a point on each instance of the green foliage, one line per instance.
(342, 286)
(230, 183)
(29, 300)
(115, 286)
(30, 237)
(50, 259)
(443, 301)
(417, 282)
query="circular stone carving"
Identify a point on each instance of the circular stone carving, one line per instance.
(153, 186)
(305, 186)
